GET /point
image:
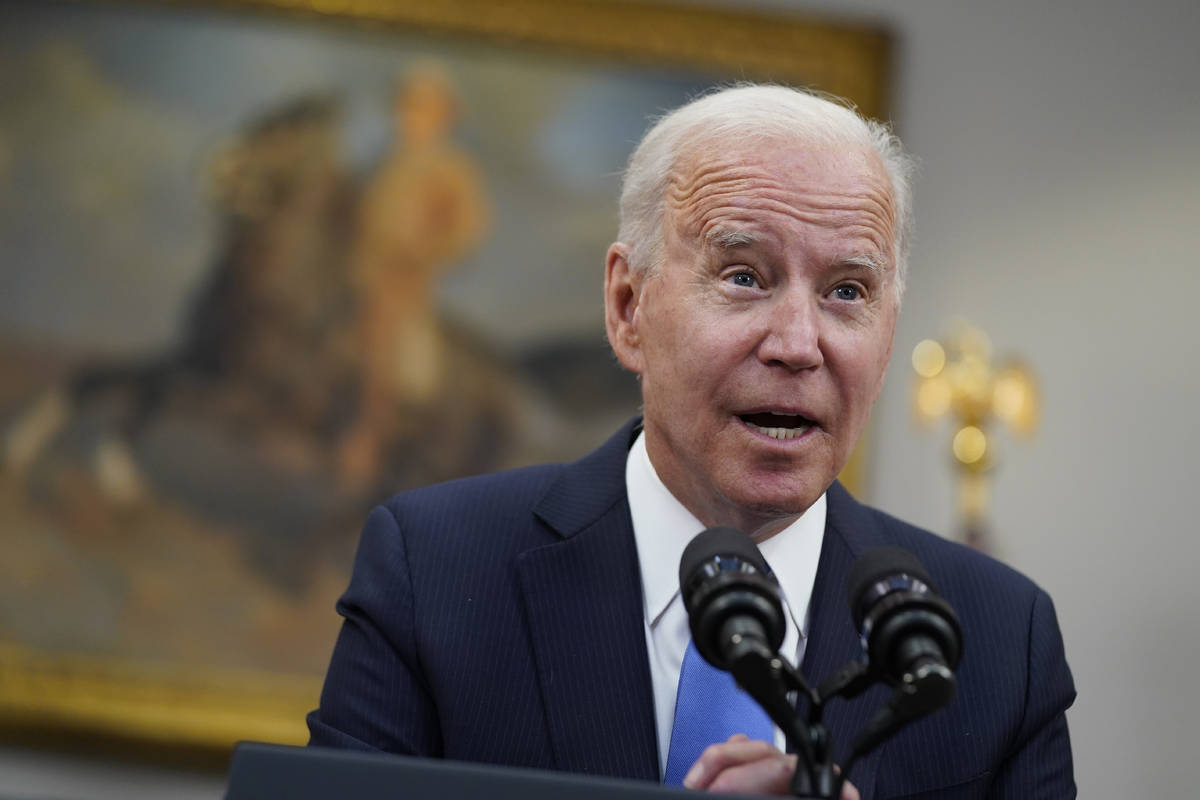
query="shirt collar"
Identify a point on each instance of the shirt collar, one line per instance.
(662, 528)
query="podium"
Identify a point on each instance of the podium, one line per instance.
(312, 773)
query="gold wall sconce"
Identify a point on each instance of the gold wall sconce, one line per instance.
(959, 380)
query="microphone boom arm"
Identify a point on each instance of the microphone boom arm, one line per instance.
(770, 680)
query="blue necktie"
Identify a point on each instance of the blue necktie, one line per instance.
(709, 708)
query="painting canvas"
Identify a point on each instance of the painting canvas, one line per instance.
(259, 272)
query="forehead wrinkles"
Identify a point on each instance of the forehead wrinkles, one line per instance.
(716, 192)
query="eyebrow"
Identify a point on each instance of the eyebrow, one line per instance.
(726, 238)
(869, 261)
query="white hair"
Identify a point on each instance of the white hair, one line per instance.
(751, 112)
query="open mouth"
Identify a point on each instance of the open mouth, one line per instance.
(777, 426)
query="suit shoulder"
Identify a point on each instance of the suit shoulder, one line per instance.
(954, 565)
(494, 496)
(520, 504)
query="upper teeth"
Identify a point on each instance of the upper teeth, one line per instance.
(781, 433)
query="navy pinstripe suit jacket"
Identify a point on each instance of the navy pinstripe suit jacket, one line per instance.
(499, 619)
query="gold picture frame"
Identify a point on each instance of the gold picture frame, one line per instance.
(209, 708)
(847, 60)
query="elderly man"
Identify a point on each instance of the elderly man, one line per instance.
(533, 618)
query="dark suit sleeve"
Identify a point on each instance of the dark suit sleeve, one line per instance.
(375, 697)
(1039, 765)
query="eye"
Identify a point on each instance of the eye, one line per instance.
(848, 292)
(743, 278)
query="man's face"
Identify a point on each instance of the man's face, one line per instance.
(763, 339)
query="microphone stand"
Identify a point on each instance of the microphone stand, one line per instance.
(734, 605)
(773, 682)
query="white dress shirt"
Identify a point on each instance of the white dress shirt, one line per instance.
(662, 528)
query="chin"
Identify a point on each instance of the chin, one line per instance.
(777, 506)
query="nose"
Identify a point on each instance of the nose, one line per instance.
(793, 336)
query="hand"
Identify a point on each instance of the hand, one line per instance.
(747, 766)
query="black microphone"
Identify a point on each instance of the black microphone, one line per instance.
(735, 613)
(733, 602)
(908, 631)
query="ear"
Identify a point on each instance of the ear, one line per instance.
(622, 294)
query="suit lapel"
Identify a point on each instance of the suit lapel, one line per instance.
(832, 639)
(583, 598)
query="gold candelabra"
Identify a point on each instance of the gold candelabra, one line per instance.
(959, 380)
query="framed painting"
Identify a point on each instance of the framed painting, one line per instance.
(265, 263)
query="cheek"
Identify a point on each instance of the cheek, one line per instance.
(861, 368)
(668, 339)
(671, 371)
(684, 376)
(691, 346)
(663, 369)
(708, 356)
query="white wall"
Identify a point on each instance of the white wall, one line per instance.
(1059, 208)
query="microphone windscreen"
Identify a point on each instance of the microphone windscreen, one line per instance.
(713, 542)
(878, 564)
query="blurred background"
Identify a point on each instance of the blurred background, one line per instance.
(190, 323)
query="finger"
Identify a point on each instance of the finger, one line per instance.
(849, 792)
(771, 775)
(717, 757)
